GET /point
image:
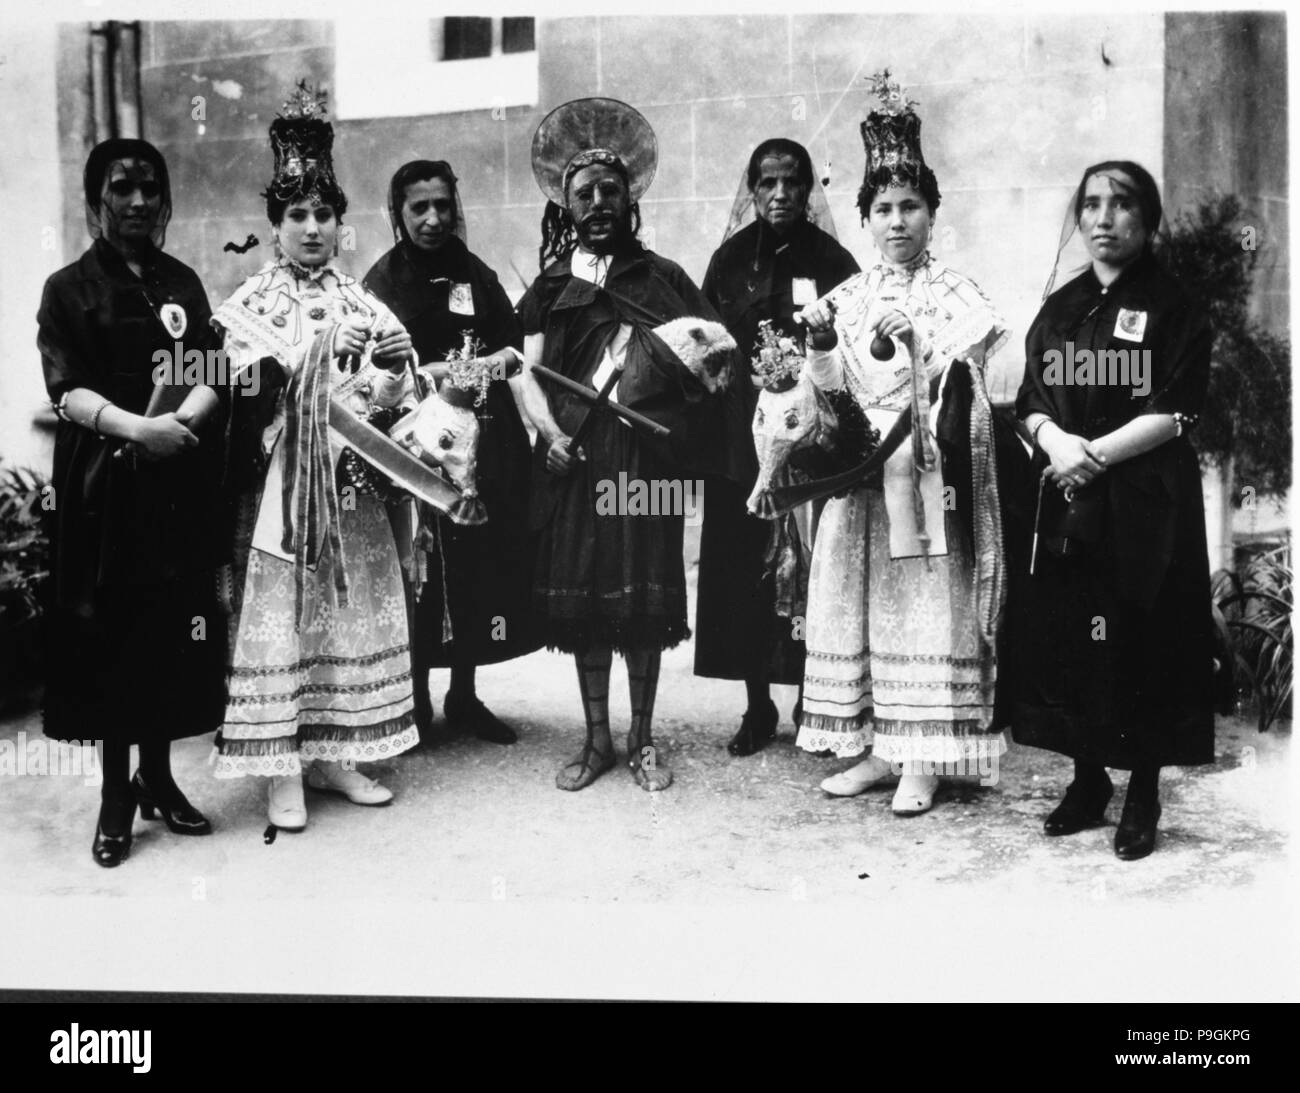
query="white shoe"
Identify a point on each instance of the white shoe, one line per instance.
(851, 782)
(915, 794)
(285, 807)
(327, 777)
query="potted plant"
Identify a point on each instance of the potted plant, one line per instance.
(24, 569)
(1256, 608)
(1246, 421)
(1244, 435)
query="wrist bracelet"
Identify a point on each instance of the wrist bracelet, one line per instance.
(1183, 422)
(1037, 428)
(94, 421)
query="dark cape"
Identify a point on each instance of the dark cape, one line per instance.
(604, 578)
(135, 642)
(1139, 691)
(751, 278)
(480, 576)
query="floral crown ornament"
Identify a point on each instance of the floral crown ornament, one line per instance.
(302, 142)
(467, 370)
(777, 363)
(891, 136)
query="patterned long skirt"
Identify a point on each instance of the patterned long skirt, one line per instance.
(895, 662)
(337, 687)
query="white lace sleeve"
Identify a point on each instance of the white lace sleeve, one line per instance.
(825, 369)
(392, 388)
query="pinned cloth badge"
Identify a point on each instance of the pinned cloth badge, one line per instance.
(460, 300)
(1130, 325)
(174, 319)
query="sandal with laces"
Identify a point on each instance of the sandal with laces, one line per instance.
(647, 771)
(588, 771)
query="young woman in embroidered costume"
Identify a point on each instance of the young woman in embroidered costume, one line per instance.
(905, 589)
(320, 670)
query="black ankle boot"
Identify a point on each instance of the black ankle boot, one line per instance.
(470, 713)
(1083, 806)
(116, 814)
(181, 817)
(757, 730)
(1136, 835)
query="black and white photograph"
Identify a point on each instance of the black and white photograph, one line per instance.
(733, 503)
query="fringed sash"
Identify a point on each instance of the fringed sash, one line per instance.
(986, 508)
(310, 502)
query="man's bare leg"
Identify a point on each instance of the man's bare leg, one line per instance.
(597, 754)
(643, 685)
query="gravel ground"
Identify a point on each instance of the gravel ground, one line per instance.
(742, 880)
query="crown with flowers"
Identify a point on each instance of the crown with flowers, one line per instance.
(467, 371)
(891, 134)
(302, 142)
(777, 362)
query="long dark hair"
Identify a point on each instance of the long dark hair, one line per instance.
(560, 234)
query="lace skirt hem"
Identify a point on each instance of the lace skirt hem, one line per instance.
(287, 755)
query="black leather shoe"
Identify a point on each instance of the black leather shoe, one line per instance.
(112, 850)
(181, 817)
(757, 730)
(1080, 808)
(1136, 835)
(473, 715)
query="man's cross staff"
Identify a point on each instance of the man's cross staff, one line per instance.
(598, 400)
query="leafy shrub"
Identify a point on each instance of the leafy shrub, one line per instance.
(1247, 412)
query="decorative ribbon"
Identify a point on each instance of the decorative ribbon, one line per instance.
(986, 509)
(923, 459)
(786, 558)
(310, 503)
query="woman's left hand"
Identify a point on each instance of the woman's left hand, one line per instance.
(350, 341)
(1064, 482)
(894, 324)
(392, 350)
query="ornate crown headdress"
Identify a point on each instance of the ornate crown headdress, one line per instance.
(777, 363)
(891, 135)
(302, 142)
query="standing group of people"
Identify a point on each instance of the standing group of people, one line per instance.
(271, 566)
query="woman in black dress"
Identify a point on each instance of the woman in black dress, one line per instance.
(1112, 637)
(136, 650)
(764, 271)
(479, 577)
